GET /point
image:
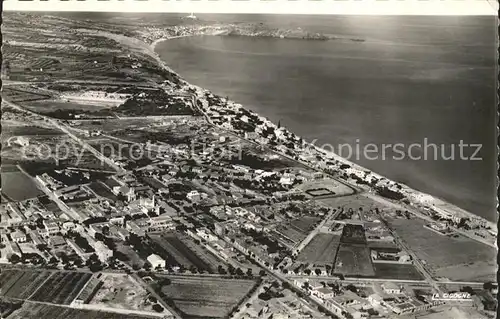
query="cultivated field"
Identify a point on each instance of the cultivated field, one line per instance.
(43, 311)
(354, 260)
(396, 271)
(322, 249)
(61, 287)
(25, 285)
(458, 258)
(206, 297)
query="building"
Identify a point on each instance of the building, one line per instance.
(156, 261)
(194, 196)
(89, 290)
(391, 288)
(323, 293)
(132, 227)
(102, 251)
(375, 300)
(18, 237)
(161, 222)
(66, 226)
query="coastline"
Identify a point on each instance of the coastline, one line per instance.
(416, 197)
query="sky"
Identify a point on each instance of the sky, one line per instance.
(358, 7)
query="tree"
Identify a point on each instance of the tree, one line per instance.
(249, 272)
(14, 259)
(239, 272)
(352, 288)
(158, 308)
(488, 285)
(165, 282)
(317, 271)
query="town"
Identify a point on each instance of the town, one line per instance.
(130, 192)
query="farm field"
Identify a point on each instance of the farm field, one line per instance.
(354, 260)
(46, 106)
(396, 271)
(206, 297)
(458, 258)
(321, 250)
(27, 284)
(185, 252)
(296, 231)
(44, 311)
(61, 287)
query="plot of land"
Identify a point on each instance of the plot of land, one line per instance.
(353, 234)
(43, 311)
(321, 250)
(61, 287)
(19, 186)
(184, 251)
(325, 188)
(458, 258)
(206, 297)
(396, 271)
(122, 292)
(354, 260)
(319, 192)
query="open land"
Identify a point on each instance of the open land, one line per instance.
(321, 250)
(449, 257)
(199, 297)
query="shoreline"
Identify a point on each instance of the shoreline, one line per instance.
(415, 197)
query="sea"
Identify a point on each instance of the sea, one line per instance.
(413, 80)
(419, 80)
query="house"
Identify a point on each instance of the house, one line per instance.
(156, 261)
(323, 293)
(391, 288)
(122, 233)
(375, 300)
(134, 228)
(18, 237)
(51, 228)
(193, 195)
(68, 226)
(102, 251)
(160, 223)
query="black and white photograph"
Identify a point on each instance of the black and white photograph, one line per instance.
(302, 159)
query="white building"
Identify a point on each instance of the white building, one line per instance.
(102, 251)
(193, 195)
(18, 237)
(391, 288)
(156, 261)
